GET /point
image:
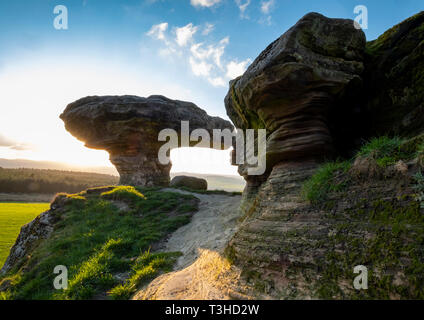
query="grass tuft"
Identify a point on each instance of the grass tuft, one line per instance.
(123, 193)
(316, 188)
(145, 268)
(386, 151)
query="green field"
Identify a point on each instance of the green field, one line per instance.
(12, 217)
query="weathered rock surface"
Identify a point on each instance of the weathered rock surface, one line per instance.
(40, 228)
(32, 233)
(290, 249)
(310, 74)
(189, 182)
(128, 127)
(305, 89)
(394, 80)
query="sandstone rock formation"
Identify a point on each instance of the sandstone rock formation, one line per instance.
(128, 127)
(305, 89)
(311, 73)
(394, 79)
(189, 182)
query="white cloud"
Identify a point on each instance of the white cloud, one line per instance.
(204, 3)
(158, 31)
(5, 142)
(12, 144)
(169, 51)
(235, 69)
(206, 60)
(185, 34)
(200, 68)
(209, 27)
(217, 82)
(242, 5)
(267, 6)
(212, 52)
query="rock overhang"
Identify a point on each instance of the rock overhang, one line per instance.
(309, 74)
(128, 128)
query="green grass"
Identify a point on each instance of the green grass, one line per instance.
(97, 241)
(316, 188)
(12, 217)
(123, 193)
(386, 151)
(145, 268)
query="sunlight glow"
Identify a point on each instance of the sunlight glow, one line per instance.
(201, 160)
(34, 95)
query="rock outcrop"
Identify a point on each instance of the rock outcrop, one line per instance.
(306, 90)
(316, 90)
(311, 73)
(128, 128)
(189, 182)
(394, 80)
(303, 89)
(32, 234)
(38, 229)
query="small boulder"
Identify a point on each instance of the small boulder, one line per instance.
(366, 167)
(401, 167)
(189, 182)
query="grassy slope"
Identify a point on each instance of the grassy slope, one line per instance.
(383, 150)
(97, 242)
(392, 227)
(12, 217)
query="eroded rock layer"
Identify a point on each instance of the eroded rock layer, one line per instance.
(305, 89)
(128, 128)
(310, 72)
(290, 249)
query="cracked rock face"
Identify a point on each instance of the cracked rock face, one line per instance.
(128, 127)
(36, 230)
(292, 88)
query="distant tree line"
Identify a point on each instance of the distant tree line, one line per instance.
(50, 181)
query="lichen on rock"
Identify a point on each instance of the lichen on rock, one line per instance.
(394, 79)
(306, 89)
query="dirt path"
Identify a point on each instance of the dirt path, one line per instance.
(202, 272)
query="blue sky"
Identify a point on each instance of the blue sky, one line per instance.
(185, 49)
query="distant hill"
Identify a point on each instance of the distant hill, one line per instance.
(23, 163)
(215, 182)
(46, 181)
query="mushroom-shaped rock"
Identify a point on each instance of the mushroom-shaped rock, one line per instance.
(128, 128)
(291, 87)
